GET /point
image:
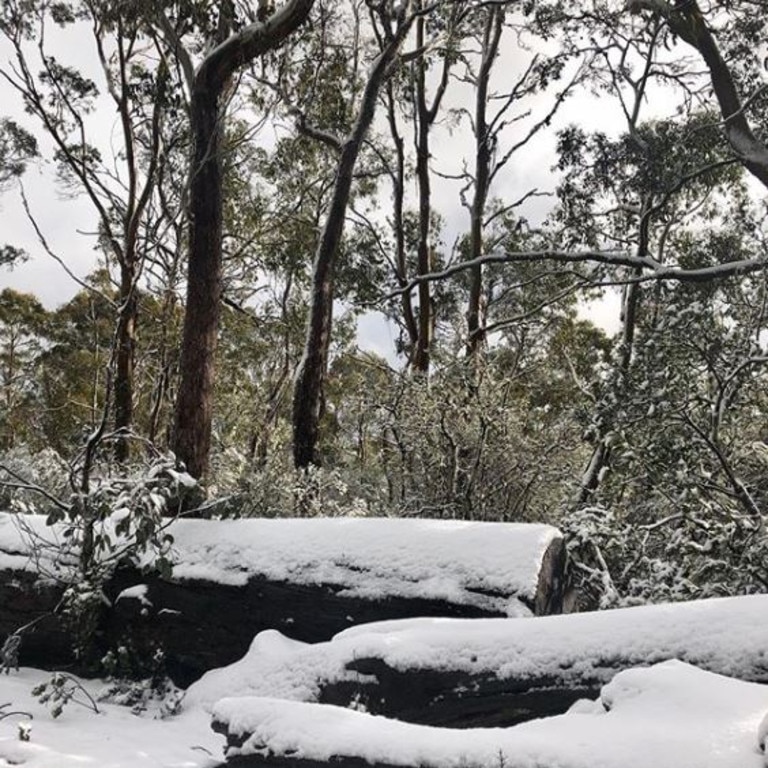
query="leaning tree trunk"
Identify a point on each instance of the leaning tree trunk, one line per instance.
(194, 406)
(686, 20)
(310, 376)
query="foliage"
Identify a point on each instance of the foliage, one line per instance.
(616, 561)
(61, 690)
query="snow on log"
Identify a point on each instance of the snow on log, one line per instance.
(310, 578)
(671, 715)
(494, 672)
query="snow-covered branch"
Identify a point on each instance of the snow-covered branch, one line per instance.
(651, 269)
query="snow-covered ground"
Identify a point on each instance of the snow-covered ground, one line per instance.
(671, 715)
(115, 738)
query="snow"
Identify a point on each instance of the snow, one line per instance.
(726, 635)
(668, 715)
(136, 592)
(372, 557)
(116, 738)
(671, 715)
(471, 563)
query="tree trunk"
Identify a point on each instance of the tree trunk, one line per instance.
(687, 22)
(398, 207)
(124, 363)
(421, 357)
(194, 407)
(310, 376)
(483, 156)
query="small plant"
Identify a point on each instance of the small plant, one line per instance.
(12, 713)
(137, 680)
(9, 653)
(24, 727)
(62, 689)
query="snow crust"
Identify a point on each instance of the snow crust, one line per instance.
(726, 635)
(672, 715)
(52, 555)
(473, 563)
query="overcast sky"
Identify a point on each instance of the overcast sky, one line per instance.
(63, 221)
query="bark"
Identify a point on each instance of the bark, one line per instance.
(423, 124)
(191, 439)
(310, 376)
(398, 207)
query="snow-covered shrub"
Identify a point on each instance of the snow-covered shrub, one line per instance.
(482, 449)
(114, 514)
(29, 478)
(138, 680)
(617, 562)
(62, 689)
(277, 489)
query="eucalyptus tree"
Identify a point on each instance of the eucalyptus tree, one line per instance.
(390, 27)
(230, 49)
(17, 147)
(22, 324)
(504, 122)
(729, 38)
(425, 109)
(61, 98)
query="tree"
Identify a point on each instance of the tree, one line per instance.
(61, 97)
(194, 405)
(392, 31)
(687, 22)
(22, 322)
(17, 148)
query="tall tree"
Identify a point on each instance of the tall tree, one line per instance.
(686, 21)
(22, 321)
(61, 97)
(194, 405)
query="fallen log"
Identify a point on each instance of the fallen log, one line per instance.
(310, 578)
(671, 714)
(495, 672)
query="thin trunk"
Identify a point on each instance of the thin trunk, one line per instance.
(310, 376)
(398, 207)
(421, 356)
(483, 158)
(125, 342)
